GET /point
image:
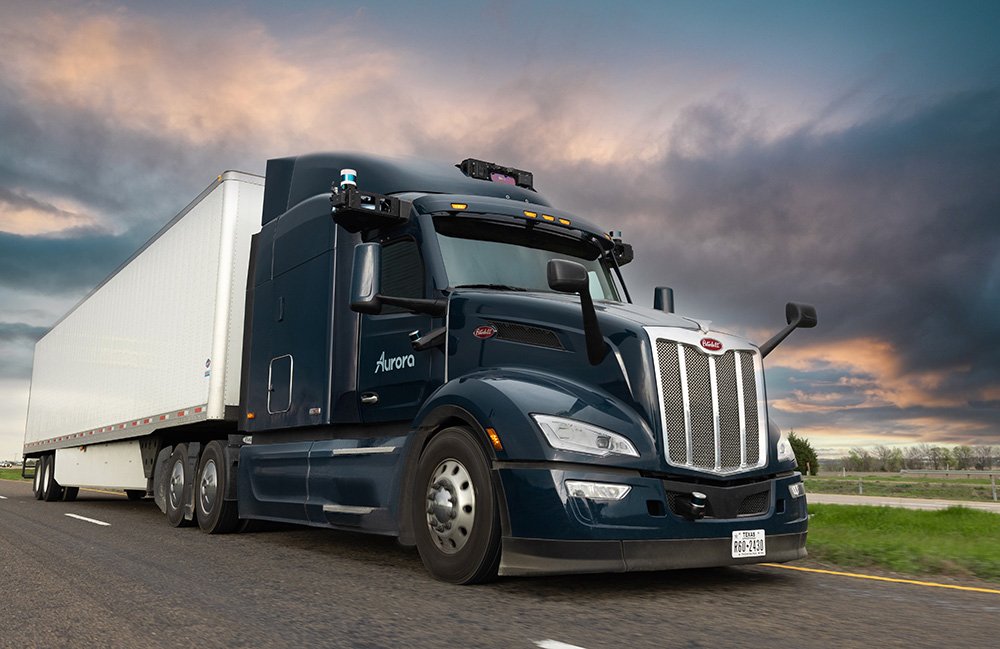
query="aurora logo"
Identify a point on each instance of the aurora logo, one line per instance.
(396, 363)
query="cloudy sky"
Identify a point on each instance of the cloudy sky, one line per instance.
(844, 154)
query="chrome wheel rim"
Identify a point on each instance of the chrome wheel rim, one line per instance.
(38, 479)
(209, 487)
(451, 506)
(176, 484)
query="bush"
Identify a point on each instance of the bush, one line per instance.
(805, 456)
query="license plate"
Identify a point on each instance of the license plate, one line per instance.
(748, 543)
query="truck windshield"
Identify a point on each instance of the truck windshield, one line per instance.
(504, 256)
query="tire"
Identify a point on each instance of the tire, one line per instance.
(51, 491)
(215, 514)
(455, 513)
(70, 493)
(135, 494)
(176, 478)
(36, 484)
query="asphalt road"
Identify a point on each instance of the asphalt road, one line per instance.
(136, 582)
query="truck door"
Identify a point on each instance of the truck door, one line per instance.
(393, 379)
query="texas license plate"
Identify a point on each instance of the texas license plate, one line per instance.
(748, 543)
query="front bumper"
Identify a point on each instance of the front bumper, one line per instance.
(550, 531)
(556, 557)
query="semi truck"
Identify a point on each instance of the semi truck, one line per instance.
(423, 350)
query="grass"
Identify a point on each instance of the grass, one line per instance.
(10, 474)
(905, 486)
(956, 541)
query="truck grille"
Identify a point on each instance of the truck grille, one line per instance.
(710, 415)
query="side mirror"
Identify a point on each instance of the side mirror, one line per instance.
(800, 315)
(366, 287)
(366, 278)
(796, 315)
(568, 276)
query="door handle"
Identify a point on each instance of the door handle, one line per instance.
(369, 398)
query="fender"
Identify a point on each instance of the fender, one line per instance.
(504, 399)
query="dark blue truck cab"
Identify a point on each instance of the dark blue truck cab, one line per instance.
(441, 355)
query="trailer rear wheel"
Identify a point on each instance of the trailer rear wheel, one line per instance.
(456, 518)
(51, 491)
(177, 470)
(36, 484)
(215, 514)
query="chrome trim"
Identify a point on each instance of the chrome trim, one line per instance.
(347, 509)
(681, 337)
(363, 450)
(682, 367)
(741, 404)
(713, 383)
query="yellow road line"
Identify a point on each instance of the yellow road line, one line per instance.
(855, 575)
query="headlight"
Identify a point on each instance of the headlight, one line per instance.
(572, 435)
(785, 452)
(597, 490)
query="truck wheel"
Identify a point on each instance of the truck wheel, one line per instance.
(215, 514)
(456, 518)
(177, 469)
(36, 484)
(70, 493)
(51, 491)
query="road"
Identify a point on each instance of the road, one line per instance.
(907, 503)
(136, 582)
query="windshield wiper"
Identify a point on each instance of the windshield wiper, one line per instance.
(499, 287)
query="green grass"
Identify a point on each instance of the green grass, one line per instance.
(956, 541)
(975, 489)
(10, 474)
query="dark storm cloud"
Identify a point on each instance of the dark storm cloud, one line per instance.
(127, 176)
(891, 227)
(68, 263)
(20, 332)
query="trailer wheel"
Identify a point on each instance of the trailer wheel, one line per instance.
(51, 491)
(176, 478)
(36, 484)
(215, 514)
(70, 493)
(456, 518)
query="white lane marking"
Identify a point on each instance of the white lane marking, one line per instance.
(3, 497)
(89, 520)
(555, 644)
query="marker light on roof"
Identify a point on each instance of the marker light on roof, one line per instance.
(564, 221)
(548, 217)
(459, 206)
(530, 214)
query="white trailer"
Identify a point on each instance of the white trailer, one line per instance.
(158, 344)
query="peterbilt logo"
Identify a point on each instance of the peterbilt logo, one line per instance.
(711, 344)
(485, 331)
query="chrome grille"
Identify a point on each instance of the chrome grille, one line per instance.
(710, 414)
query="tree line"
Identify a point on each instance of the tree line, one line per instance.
(922, 457)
